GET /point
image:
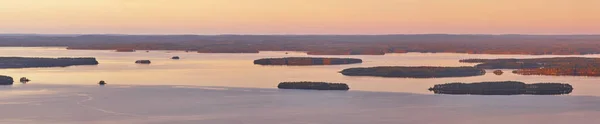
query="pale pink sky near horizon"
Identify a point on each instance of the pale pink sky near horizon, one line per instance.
(300, 16)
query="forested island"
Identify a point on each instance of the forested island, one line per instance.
(303, 61)
(323, 44)
(567, 66)
(6, 80)
(502, 88)
(24, 62)
(414, 72)
(305, 85)
(143, 61)
(498, 72)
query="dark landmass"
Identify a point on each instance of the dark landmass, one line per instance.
(565, 71)
(498, 72)
(175, 57)
(306, 61)
(226, 50)
(24, 80)
(22, 62)
(143, 62)
(102, 83)
(502, 88)
(6, 80)
(324, 44)
(562, 66)
(414, 72)
(125, 50)
(313, 86)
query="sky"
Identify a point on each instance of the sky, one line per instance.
(300, 16)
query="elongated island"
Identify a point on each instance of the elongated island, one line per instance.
(502, 88)
(24, 62)
(306, 85)
(414, 72)
(304, 61)
(6, 80)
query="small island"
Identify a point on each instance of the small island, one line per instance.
(23, 62)
(560, 66)
(498, 72)
(143, 62)
(6, 80)
(304, 61)
(313, 86)
(414, 72)
(24, 80)
(502, 88)
(125, 50)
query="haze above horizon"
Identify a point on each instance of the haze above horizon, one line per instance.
(300, 17)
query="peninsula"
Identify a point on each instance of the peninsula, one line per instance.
(560, 66)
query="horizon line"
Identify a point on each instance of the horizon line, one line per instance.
(299, 34)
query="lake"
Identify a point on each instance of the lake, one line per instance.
(237, 70)
(144, 104)
(230, 89)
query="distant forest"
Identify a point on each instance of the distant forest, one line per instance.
(324, 44)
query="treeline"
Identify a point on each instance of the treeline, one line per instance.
(569, 66)
(324, 44)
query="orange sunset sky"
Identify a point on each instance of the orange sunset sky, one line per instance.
(300, 16)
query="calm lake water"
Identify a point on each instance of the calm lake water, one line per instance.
(230, 89)
(86, 104)
(237, 70)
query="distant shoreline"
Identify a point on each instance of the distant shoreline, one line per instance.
(324, 44)
(304, 52)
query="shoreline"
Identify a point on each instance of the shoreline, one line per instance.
(303, 52)
(308, 52)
